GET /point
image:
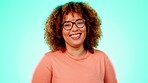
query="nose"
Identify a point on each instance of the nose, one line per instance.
(74, 28)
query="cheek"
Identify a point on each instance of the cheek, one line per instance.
(64, 33)
(84, 30)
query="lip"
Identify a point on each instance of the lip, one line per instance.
(75, 36)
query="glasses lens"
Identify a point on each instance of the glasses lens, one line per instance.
(80, 23)
(67, 25)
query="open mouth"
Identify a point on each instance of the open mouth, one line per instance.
(75, 36)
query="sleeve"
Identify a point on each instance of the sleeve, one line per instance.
(110, 76)
(43, 71)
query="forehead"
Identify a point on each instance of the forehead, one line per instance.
(72, 16)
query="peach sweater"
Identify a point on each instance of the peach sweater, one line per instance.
(58, 67)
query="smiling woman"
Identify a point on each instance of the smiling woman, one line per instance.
(76, 34)
(72, 32)
(61, 14)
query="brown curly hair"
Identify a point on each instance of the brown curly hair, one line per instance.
(53, 26)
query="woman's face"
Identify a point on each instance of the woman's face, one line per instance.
(74, 30)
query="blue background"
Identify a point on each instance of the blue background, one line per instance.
(124, 26)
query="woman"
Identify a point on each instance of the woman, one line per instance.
(72, 31)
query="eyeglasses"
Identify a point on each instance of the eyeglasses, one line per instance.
(67, 25)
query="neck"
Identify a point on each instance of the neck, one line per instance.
(76, 51)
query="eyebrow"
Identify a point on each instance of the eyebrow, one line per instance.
(71, 21)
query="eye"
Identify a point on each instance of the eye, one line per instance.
(67, 24)
(80, 21)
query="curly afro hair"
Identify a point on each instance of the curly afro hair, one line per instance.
(53, 27)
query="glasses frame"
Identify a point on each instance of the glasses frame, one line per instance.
(73, 24)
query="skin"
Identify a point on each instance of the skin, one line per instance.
(75, 37)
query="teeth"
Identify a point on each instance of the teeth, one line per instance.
(75, 35)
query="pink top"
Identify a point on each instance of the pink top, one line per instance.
(58, 67)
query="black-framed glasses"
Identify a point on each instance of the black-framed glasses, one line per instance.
(67, 25)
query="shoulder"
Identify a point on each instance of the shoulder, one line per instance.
(49, 57)
(103, 56)
(52, 55)
(100, 53)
